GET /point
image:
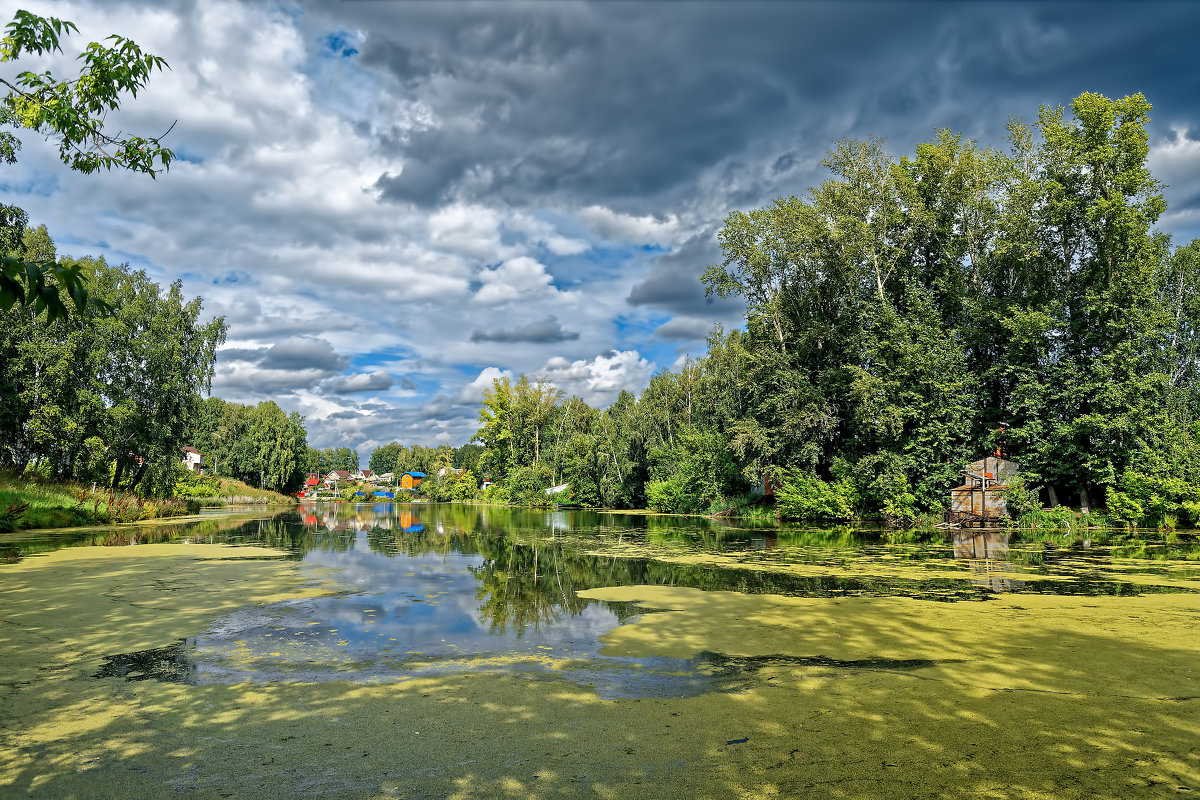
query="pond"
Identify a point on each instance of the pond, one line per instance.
(633, 608)
(432, 588)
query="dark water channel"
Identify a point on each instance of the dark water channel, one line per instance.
(429, 589)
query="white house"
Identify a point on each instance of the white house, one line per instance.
(334, 478)
(192, 458)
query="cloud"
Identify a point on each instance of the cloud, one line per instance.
(362, 382)
(473, 391)
(1177, 161)
(543, 331)
(600, 379)
(673, 283)
(469, 230)
(511, 187)
(624, 228)
(562, 246)
(521, 277)
(303, 353)
(683, 329)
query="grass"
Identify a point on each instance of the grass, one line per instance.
(35, 503)
(215, 492)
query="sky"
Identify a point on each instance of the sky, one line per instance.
(394, 203)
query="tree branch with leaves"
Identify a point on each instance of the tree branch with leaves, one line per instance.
(72, 112)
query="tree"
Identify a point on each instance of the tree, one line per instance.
(72, 112)
(112, 399)
(383, 458)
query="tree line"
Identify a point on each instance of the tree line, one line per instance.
(102, 396)
(904, 318)
(259, 445)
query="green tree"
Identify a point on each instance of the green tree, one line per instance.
(72, 112)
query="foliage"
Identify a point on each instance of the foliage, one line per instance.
(28, 502)
(462, 486)
(105, 398)
(805, 496)
(72, 112)
(1020, 498)
(191, 484)
(527, 485)
(694, 475)
(323, 462)
(260, 445)
(905, 317)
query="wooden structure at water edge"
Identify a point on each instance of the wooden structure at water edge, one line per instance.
(981, 497)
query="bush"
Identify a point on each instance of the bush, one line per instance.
(1020, 498)
(527, 485)
(496, 493)
(805, 496)
(1059, 518)
(462, 486)
(669, 496)
(694, 476)
(189, 484)
(1123, 508)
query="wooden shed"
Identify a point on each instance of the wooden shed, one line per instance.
(982, 495)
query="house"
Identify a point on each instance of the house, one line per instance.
(193, 459)
(982, 495)
(444, 471)
(365, 475)
(337, 476)
(312, 480)
(411, 480)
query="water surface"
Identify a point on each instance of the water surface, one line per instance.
(426, 589)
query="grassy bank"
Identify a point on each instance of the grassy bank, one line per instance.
(214, 492)
(32, 503)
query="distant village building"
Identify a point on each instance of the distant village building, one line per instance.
(337, 476)
(982, 496)
(411, 480)
(444, 471)
(193, 459)
(365, 475)
(312, 480)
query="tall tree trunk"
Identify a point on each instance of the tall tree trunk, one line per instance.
(137, 478)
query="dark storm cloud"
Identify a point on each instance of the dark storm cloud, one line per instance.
(674, 282)
(627, 104)
(542, 331)
(683, 329)
(295, 354)
(303, 353)
(250, 355)
(587, 101)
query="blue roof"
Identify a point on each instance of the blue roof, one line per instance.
(416, 474)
